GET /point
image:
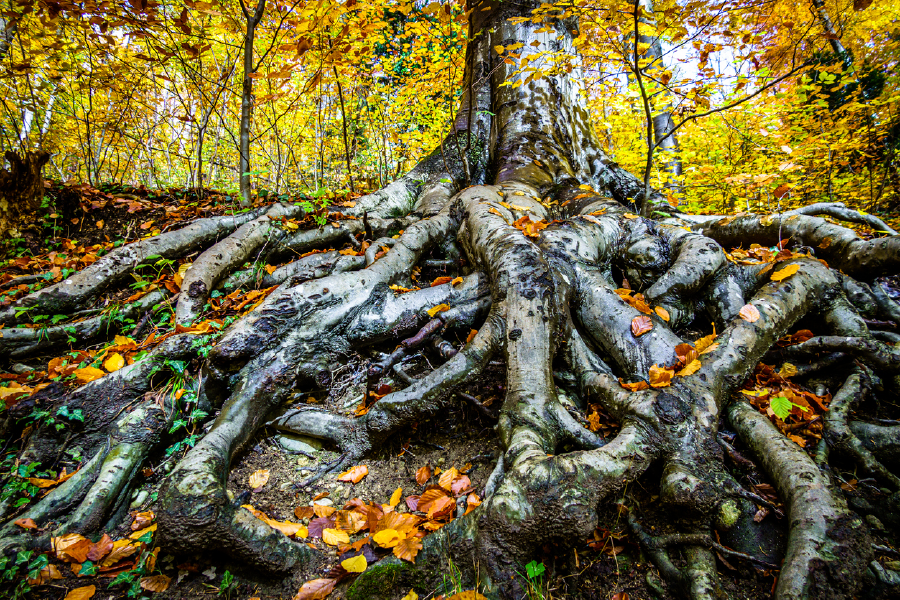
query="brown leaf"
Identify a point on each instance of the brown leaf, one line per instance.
(660, 376)
(441, 507)
(423, 474)
(26, 523)
(429, 497)
(100, 549)
(861, 4)
(321, 510)
(82, 593)
(641, 325)
(142, 520)
(317, 589)
(461, 485)
(408, 548)
(749, 313)
(71, 547)
(354, 474)
(156, 583)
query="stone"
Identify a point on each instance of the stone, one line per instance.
(139, 499)
(874, 523)
(298, 443)
(21, 369)
(324, 502)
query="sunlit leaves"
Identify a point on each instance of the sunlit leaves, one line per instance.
(354, 474)
(641, 325)
(749, 313)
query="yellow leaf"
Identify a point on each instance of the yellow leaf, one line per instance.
(114, 362)
(410, 596)
(660, 376)
(788, 370)
(387, 538)
(121, 340)
(82, 593)
(662, 313)
(689, 369)
(259, 478)
(499, 49)
(785, 272)
(357, 564)
(141, 532)
(88, 374)
(437, 309)
(395, 497)
(470, 595)
(456, 281)
(333, 537)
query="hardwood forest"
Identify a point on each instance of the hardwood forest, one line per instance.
(450, 300)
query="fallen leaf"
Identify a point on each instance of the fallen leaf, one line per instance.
(317, 589)
(408, 549)
(469, 595)
(457, 281)
(141, 532)
(423, 474)
(788, 370)
(438, 309)
(460, 486)
(82, 593)
(410, 596)
(333, 537)
(88, 374)
(395, 497)
(142, 519)
(689, 369)
(71, 547)
(441, 281)
(320, 510)
(357, 564)
(25, 523)
(660, 376)
(703, 344)
(156, 583)
(447, 478)
(634, 387)
(114, 362)
(354, 474)
(662, 313)
(785, 272)
(749, 313)
(387, 538)
(641, 325)
(471, 335)
(259, 478)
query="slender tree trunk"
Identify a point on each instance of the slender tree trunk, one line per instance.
(252, 21)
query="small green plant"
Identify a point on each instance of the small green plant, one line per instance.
(453, 579)
(14, 572)
(534, 580)
(227, 585)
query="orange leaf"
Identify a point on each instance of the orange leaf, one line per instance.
(71, 547)
(408, 548)
(25, 523)
(320, 510)
(660, 376)
(259, 478)
(88, 374)
(636, 386)
(395, 497)
(317, 589)
(461, 485)
(441, 281)
(142, 520)
(354, 474)
(749, 313)
(471, 335)
(82, 593)
(641, 325)
(156, 583)
(441, 507)
(423, 474)
(662, 313)
(706, 344)
(447, 478)
(457, 281)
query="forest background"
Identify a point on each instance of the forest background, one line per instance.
(150, 94)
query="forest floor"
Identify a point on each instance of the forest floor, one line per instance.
(83, 221)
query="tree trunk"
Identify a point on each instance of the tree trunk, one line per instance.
(247, 99)
(548, 242)
(21, 188)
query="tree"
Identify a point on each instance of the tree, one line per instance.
(567, 286)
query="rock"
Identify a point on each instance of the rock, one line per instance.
(298, 443)
(893, 565)
(874, 523)
(286, 485)
(440, 462)
(305, 472)
(21, 369)
(346, 493)
(885, 576)
(139, 499)
(324, 502)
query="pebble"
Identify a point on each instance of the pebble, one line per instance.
(324, 502)
(286, 485)
(440, 462)
(346, 493)
(298, 443)
(874, 523)
(21, 369)
(139, 500)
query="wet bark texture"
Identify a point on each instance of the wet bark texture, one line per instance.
(546, 305)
